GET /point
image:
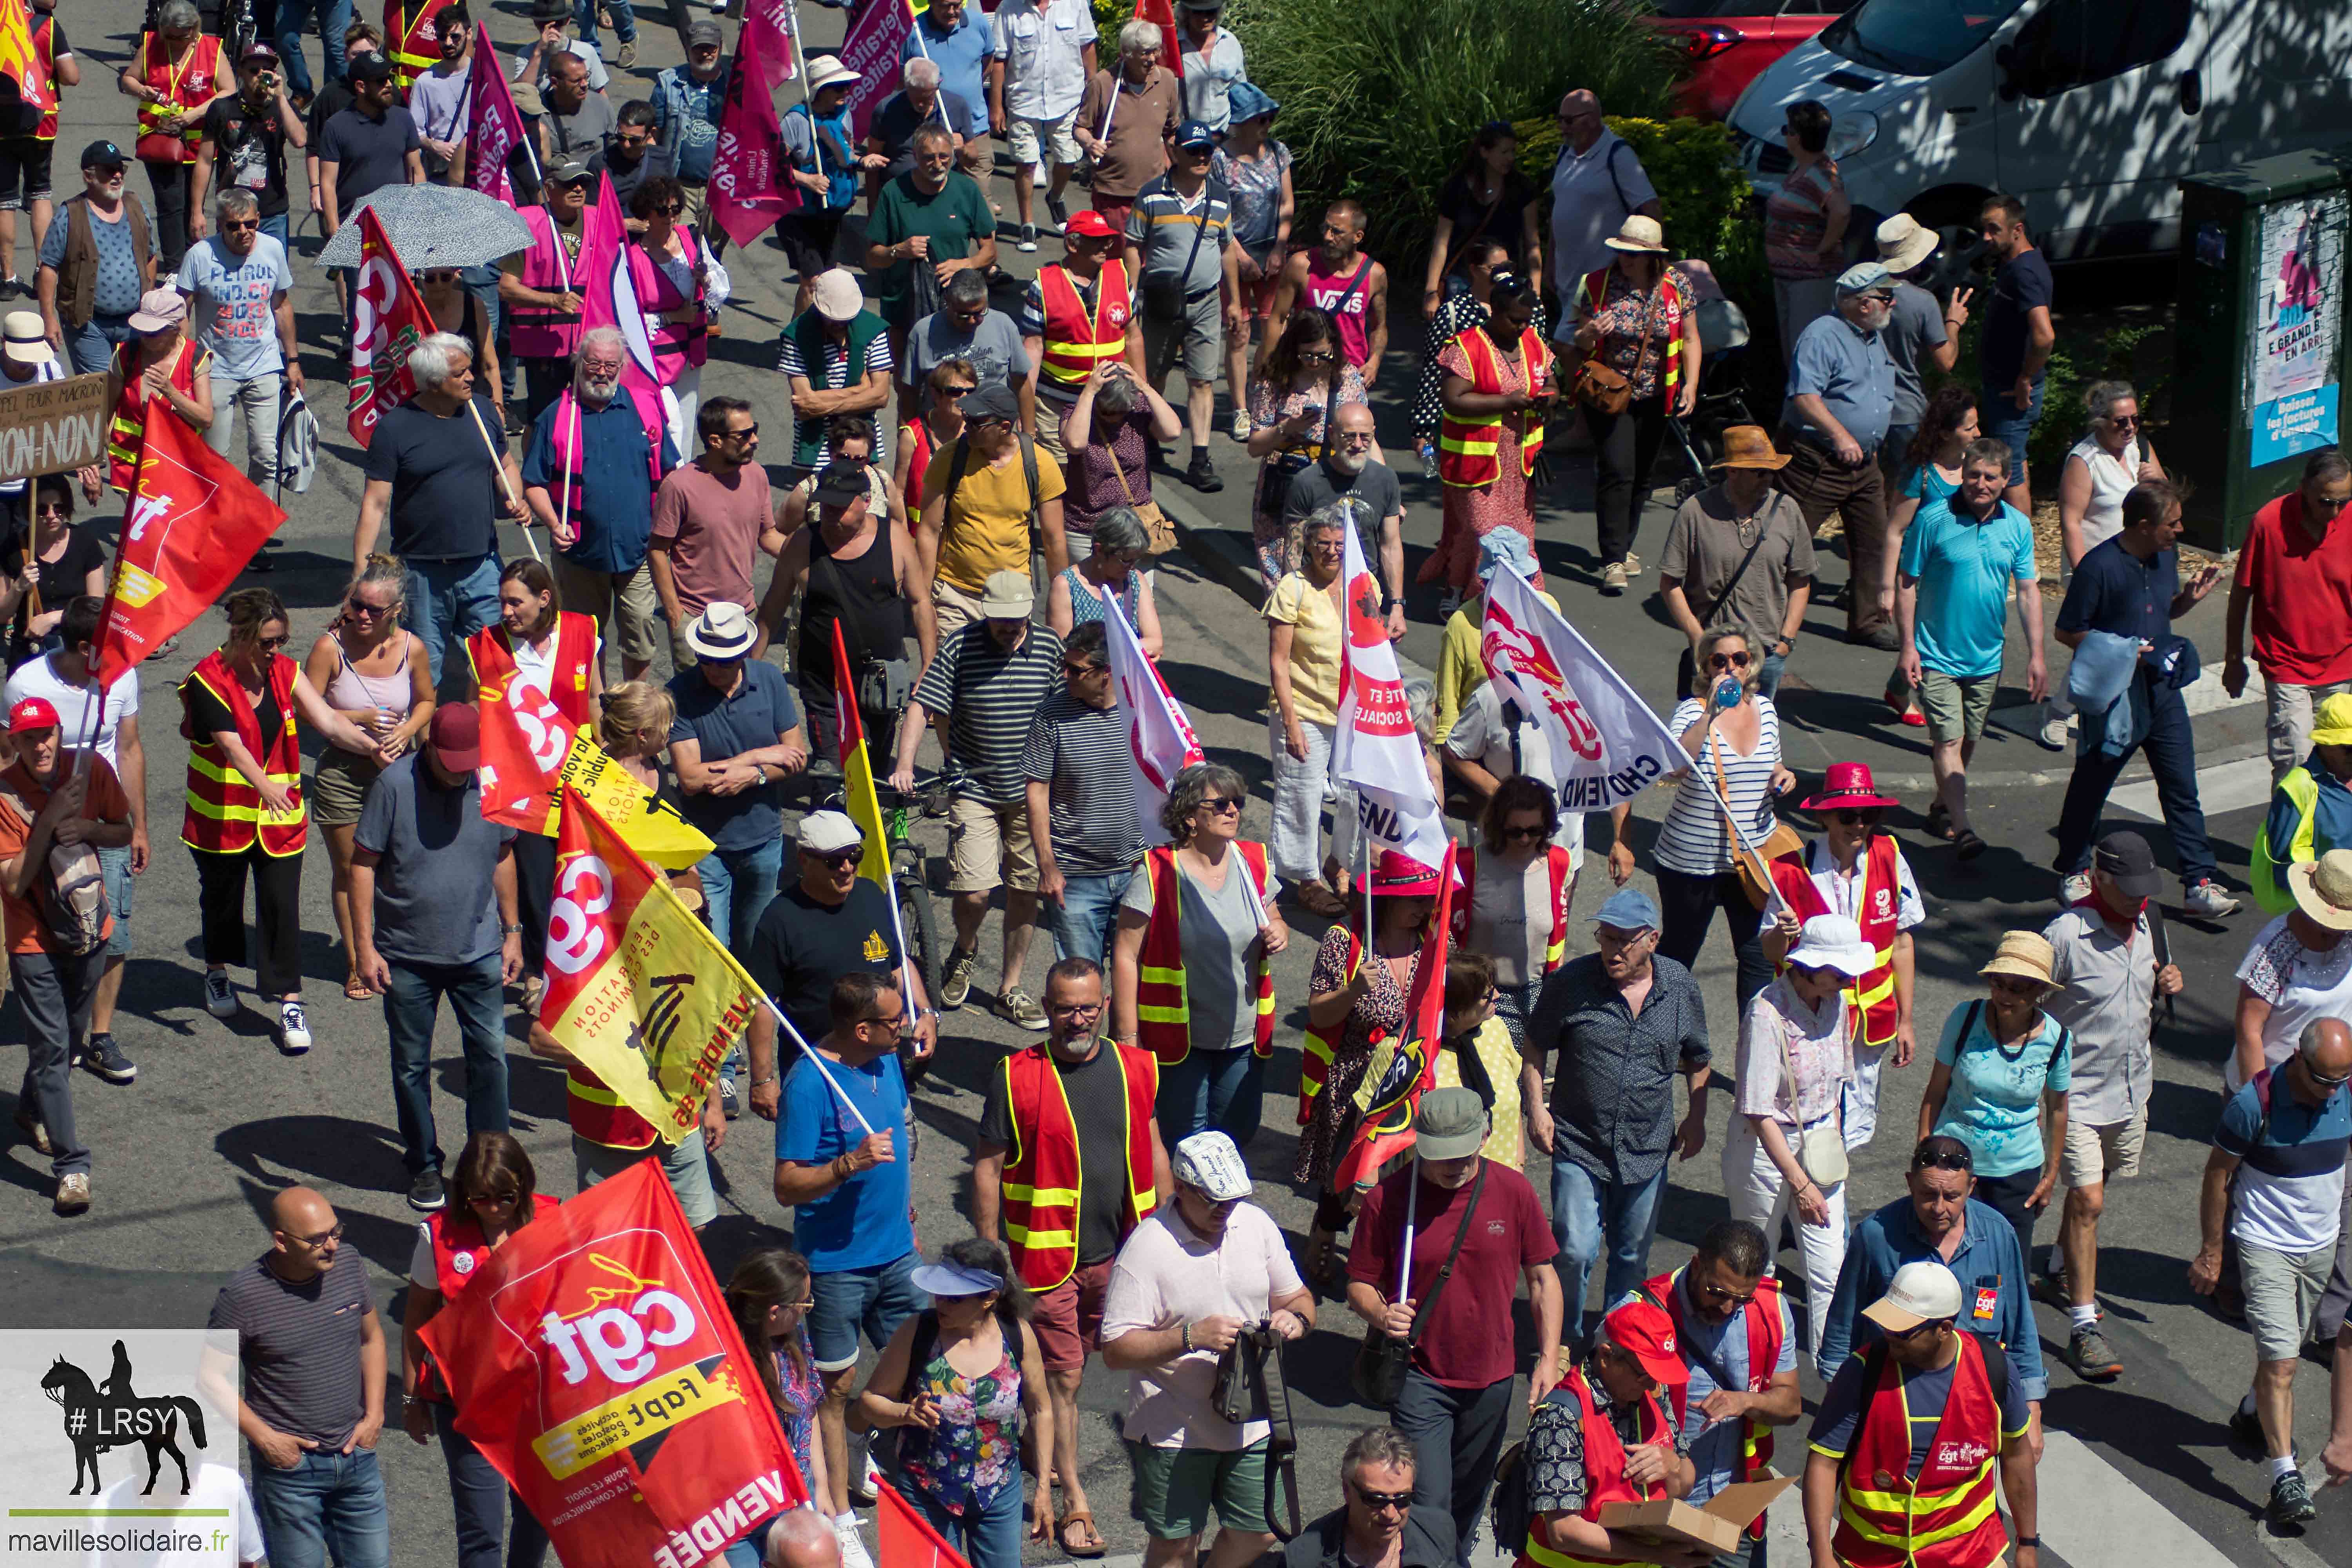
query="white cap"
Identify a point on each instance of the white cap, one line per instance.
(1922, 1292)
(1834, 942)
(1208, 1162)
(829, 833)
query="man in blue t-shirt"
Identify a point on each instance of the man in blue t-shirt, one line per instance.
(1951, 605)
(958, 46)
(2127, 592)
(2014, 353)
(842, 1153)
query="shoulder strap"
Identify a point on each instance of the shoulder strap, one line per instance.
(1615, 183)
(1437, 1286)
(957, 465)
(1029, 478)
(919, 1352)
(1724, 597)
(1968, 1026)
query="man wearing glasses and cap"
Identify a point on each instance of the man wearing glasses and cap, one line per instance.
(1908, 1437)
(1078, 313)
(239, 290)
(97, 259)
(686, 100)
(1841, 401)
(540, 290)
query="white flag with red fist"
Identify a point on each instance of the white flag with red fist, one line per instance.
(1377, 748)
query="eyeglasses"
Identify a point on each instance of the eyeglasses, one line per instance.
(1220, 804)
(890, 1023)
(238, 225)
(601, 366)
(1372, 1499)
(977, 313)
(748, 430)
(1722, 1296)
(1075, 1009)
(1727, 662)
(838, 859)
(1357, 437)
(1316, 356)
(1858, 818)
(271, 644)
(322, 1239)
(958, 391)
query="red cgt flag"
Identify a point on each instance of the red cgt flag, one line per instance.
(388, 321)
(1171, 37)
(1404, 1067)
(595, 1365)
(906, 1537)
(195, 522)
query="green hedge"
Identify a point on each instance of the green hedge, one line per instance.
(1702, 191)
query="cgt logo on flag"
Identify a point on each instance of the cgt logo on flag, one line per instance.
(1382, 710)
(1506, 646)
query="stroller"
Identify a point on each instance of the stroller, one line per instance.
(1722, 400)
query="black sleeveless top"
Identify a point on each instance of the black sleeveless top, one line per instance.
(860, 593)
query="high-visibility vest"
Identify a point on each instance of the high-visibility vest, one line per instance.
(1074, 340)
(412, 54)
(41, 90)
(1949, 1515)
(187, 87)
(599, 1115)
(460, 1250)
(1043, 1184)
(1563, 875)
(225, 814)
(1593, 293)
(1764, 1339)
(491, 651)
(1871, 999)
(1469, 450)
(1315, 1054)
(1163, 1013)
(542, 331)
(2267, 871)
(677, 346)
(1604, 1478)
(127, 431)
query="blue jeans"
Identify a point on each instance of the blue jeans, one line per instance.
(625, 20)
(2171, 748)
(737, 886)
(485, 1504)
(329, 1504)
(751, 1551)
(875, 1300)
(1082, 919)
(1586, 1210)
(988, 1532)
(412, 1003)
(1224, 1090)
(92, 346)
(334, 18)
(452, 600)
(2002, 422)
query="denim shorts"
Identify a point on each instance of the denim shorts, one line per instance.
(114, 866)
(875, 1300)
(2001, 422)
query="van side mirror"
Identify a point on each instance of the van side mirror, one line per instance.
(2193, 91)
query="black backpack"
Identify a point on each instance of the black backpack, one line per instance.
(1508, 1512)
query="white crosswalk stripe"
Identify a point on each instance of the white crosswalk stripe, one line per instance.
(2094, 1516)
(2232, 787)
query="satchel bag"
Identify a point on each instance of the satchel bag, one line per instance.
(1160, 534)
(1164, 293)
(1821, 1150)
(1377, 1376)
(1607, 391)
(1754, 865)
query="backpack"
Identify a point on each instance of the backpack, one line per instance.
(1508, 1512)
(69, 896)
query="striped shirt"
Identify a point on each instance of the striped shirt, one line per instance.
(878, 362)
(1164, 225)
(1693, 841)
(300, 1345)
(990, 697)
(1080, 753)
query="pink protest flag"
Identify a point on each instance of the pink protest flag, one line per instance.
(872, 51)
(748, 191)
(494, 126)
(770, 28)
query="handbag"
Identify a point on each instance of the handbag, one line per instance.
(1821, 1150)
(1377, 1375)
(1607, 391)
(1753, 866)
(1164, 294)
(1161, 533)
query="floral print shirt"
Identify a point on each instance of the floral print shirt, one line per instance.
(975, 1452)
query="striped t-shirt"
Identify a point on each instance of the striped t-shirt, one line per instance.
(990, 697)
(1164, 227)
(1080, 753)
(300, 1345)
(877, 361)
(1692, 841)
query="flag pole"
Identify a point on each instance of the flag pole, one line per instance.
(1412, 1208)
(808, 98)
(497, 461)
(563, 504)
(816, 1061)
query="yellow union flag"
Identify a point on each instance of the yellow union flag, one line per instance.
(532, 754)
(638, 990)
(857, 774)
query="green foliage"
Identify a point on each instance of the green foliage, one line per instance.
(1380, 97)
(1110, 16)
(2132, 345)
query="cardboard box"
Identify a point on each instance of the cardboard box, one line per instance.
(1715, 1527)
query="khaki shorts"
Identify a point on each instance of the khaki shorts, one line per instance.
(1024, 136)
(1955, 705)
(624, 606)
(989, 845)
(2094, 1155)
(339, 786)
(2283, 1291)
(1049, 428)
(1196, 340)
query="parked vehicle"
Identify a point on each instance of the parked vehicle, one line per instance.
(1729, 42)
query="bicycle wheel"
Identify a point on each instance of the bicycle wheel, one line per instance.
(922, 948)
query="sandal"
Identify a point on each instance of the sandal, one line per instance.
(1093, 1546)
(1968, 845)
(1939, 822)
(357, 990)
(1317, 899)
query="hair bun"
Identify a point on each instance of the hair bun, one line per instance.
(1503, 277)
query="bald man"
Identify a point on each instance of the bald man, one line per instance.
(313, 1354)
(802, 1538)
(1596, 185)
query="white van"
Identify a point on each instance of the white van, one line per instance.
(2090, 109)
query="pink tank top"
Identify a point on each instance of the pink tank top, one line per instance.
(1346, 298)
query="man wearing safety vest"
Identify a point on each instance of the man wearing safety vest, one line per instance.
(1068, 1161)
(1901, 1475)
(1608, 1433)
(2311, 808)
(1733, 1331)
(1855, 870)
(540, 286)
(1078, 313)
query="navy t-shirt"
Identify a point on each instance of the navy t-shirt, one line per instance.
(2017, 286)
(758, 710)
(2116, 591)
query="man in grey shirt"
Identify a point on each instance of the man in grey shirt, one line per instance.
(1738, 554)
(965, 328)
(1180, 237)
(1841, 401)
(432, 914)
(1918, 333)
(1081, 800)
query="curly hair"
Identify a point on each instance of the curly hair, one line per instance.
(1703, 679)
(1520, 791)
(1188, 789)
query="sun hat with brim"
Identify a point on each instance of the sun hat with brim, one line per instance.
(1007, 595)
(1747, 446)
(1921, 1292)
(27, 339)
(1645, 1332)
(950, 1279)
(1834, 942)
(2323, 888)
(2027, 955)
(1248, 101)
(1639, 234)
(836, 294)
(721, 632)
(1398, 873)
(829, 833)
(2332, 725)
(1501, 547)
(159, 310)
(1903, 243)
(828, 72)
(1449, 1123)
(1848, 786)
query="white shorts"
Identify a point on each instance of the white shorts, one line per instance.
(1023, 136)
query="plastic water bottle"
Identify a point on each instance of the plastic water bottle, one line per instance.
(1728, 692)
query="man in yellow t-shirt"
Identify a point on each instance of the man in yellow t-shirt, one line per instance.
(984, 526)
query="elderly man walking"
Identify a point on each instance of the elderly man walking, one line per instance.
(1597, 184)
(239, 302)
(1841, 401)
(2294, 575)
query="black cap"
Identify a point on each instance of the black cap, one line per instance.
(370, 67)
(101, 152)
(841, 482)
(992, 402)
(2127, 858)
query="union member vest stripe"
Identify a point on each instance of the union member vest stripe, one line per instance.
(1315, 1055)
(225, 814)
(1871, 999)
(1563, 873)
(1044, 1181)
(1468, 450)
(1075, 341)
(187, 88)
(1946, 1516)
(1604, 1478)
(1594, 291)
(1163, 1015)
(492, 653)
(128, 432)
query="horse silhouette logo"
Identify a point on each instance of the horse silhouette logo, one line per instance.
(113, 1416)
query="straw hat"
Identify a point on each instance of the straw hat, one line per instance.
(2323, 888)
(2026, 954)
(1640, 234)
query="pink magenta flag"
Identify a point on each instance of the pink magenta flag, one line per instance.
(872, 51)
(748, 190)
(774, 24)
(493, 125)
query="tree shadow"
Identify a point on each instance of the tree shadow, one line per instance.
(271, 1153)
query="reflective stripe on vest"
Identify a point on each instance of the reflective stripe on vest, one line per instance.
(491, 652)
(542, 331)
(1315, 1053)
(1075, 341)
(2267, 873)
(187, 89)
(459, 1251)
(1604, 1478)
(126, 432)
(412, 55)
(1162, 1013)
(1468, 449)
(1948, 1517)
(1764, 1341)
(1878, 912)
(225, 814)
(1042, 1185)
(1595, 289)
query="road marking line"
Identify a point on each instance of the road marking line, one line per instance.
(2232, 787)
(2107, 1520)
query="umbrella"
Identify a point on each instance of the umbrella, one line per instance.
(432, 225)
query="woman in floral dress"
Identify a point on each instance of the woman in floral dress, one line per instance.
(1256, 169)
(1287, 409)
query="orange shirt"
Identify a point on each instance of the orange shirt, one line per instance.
(104, 801)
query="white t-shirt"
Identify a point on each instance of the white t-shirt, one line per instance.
(215, 1487)
(38, 678)
(2302, 987)
(2112, 479)
(1480, 735)
(597, 75)
(1842, 892)
(1167, 1275)
(535, 667)
(1044, 73)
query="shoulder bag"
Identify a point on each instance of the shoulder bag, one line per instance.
(1754, 865)
(1164, 293)
(1378, 1373)
(1820, 1152)
(1603, 389)
(1686, 667)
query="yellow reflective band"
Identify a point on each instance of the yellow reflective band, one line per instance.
(1162, 1014)
(1475, 448)
(1020, 1193)
(1265, 1003)
(1148, 975)
(1879, 992)
(1038, 1240)
(203, 807)
(592, 1096)
(1896, 1502)
(214, 772)
(1555, 951)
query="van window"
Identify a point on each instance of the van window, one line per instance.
(2074, 42)
(1916, 37)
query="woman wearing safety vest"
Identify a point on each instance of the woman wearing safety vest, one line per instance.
(682, 287)
(1606, 1435)
(160, 363)
(1518, 916)
(245, 811)
(175, 73)
(1191, 967)
(1495, 393)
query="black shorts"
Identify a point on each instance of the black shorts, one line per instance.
(808, 240)
(24, 173)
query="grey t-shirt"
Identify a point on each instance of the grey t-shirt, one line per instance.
(993, 348)
(1917, 326)
(434, 899)
(1705, 544)
(1080, 753)
(1219, 931)
(584, 133)
(1170, 231)
(1373, 496)
(300, 1344)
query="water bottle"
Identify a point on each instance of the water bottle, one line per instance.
(1728, 692)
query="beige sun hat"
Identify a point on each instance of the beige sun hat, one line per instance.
(1640, 234)
(2323, 888)
(2026, 953)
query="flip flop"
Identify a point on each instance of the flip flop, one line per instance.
(1094, 1547)
(358, 990)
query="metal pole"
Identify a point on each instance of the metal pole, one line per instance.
(816, 1061)
(497, 461)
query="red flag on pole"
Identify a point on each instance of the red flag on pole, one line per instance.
(1171, 37)
(195, 522)
(388, 321)
(748, 191)
(494, 127)
(1402, 1069)
(906, 1537)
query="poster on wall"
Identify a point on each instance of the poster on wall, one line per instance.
(2298, 311)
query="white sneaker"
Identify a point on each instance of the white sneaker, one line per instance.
(220, 996)
(293, 1028)
(853, 1545)
(2074, 889)
(2053, 734)
(1037, 175)
(2207, 899)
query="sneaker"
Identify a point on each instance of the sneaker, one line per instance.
(1203, 474)
(220, 996)
(718, 8)
(12, 287)
(862, 1490)
(2074, 889)
(35, 1130)
(1028, 240)
(73, 1197)
(1447, 603)
(1020, 1009)
(852, 1547)
(2053, 734)
(2290, 1495)
(1633, 564)
(1061, 214)
(2207, 900)
(955, 986)
(105, 1058)
(293, 1029)
(1240, 427)
(426, 1194)
(2092, 1356)
(730, 1101)
(628, 54)
(1613, 579)
(2246, 1430)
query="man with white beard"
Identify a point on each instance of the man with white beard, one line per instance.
(595, 458)
(1349, 473)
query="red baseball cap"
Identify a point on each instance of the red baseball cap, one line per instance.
(32, 714)
(1091, 224)
(1648, 1332)
(456, 733)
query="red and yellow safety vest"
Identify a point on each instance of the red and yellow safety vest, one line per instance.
(1044, 1181)
(1764, 1339)
(1872, 998)
(1468, 450)
(491, 651)
(40, 87)
(186, 86)
(1162, 1013)
(1074, 341)
(1949, 1515)
(1604, 1478)
(1563, 875)
(224, 814)
(1315, 1054)
(1592, 293)
(415, 39)
(460, 1250)
(128, 432)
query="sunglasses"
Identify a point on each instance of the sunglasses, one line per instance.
(1316, 356)
(271, 644)
(1398, 1501)
(1080, 669)
(670, 209)
(1511, 835)
(361, 607)
(1718, 1294)
(1946, 1161)
(958, 391)
(748, 430)
(239, 225)
(1916, 1329)
(2321, 1078)
(2126, 421)
(1727, 662)
(890, 1023)
(1858, 818)
(838, 859)
(1220, 804)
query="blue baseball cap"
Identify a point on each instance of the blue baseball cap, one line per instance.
(1629, 909)
(1193, 134)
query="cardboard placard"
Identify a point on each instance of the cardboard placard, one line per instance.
(52, 427)
(1715, 1527)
